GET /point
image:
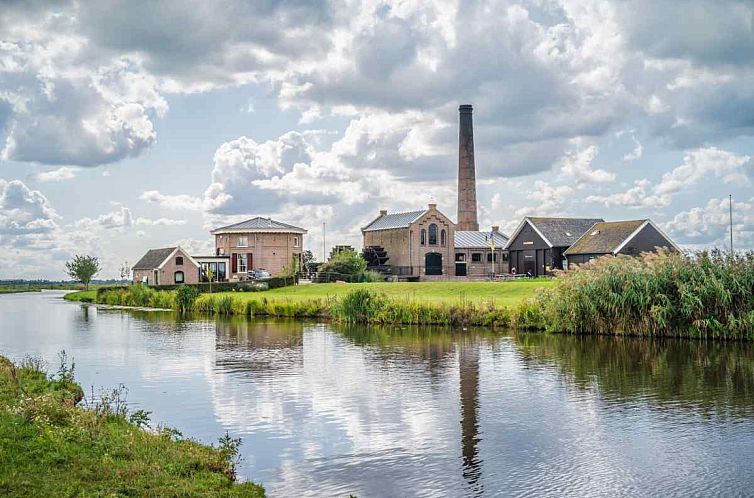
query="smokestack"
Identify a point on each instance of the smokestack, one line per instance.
(467, 219)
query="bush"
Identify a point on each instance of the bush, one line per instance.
(345, 265)
(185, 297)
(709, 294)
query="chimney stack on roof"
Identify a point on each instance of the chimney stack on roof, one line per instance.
(383, 212)
(495, 229)
(432, 205)
(467, 208)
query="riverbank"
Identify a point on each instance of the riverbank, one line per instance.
(492, 304)
(50, 446)
(705, 295)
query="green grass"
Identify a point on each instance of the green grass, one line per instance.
(51, 447)
(82, 296)
(497, 293)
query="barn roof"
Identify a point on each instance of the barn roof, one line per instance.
(610, 237)
(605, 237)
(260, 224)
(153, 258)
(463, 238)
(394, 220)
(557, 232)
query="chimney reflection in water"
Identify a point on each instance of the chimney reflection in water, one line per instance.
(468, 367)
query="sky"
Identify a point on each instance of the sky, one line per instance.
(129, 125)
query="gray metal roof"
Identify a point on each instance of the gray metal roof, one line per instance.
(395, 220)
(153, 258)
(263, 224)
(562, 232)
(463, 238)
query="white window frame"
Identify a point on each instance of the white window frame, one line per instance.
(242, 260)
(175, 277)
(295, 241)
(243, 241)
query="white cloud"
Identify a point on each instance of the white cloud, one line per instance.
(172, 202)
(578, 166)
(57, 175)
(697, 165)
(710, 225)
(24, 213)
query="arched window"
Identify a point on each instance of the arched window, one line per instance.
(178, 277)
(423, 237)
(442, 237)
(433, 234)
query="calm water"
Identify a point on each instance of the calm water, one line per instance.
(327, 411)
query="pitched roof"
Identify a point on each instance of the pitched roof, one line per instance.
(153, 258)
(260, 224)
(610, 237)
(558, 232)
(605, 237)
(394, 220)
(463, 238)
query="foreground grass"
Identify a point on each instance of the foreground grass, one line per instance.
(51, 447)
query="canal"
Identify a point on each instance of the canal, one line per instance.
(327, 410)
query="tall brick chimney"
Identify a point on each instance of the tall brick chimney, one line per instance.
(467, 219)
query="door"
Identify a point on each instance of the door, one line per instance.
(461, 269)
(530, 263)
(433, 263)
(155, 277)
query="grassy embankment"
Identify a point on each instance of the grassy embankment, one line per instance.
(669, 295)
(50, 446)
(441, 303)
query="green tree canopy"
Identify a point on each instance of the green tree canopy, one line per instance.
(345, 265)
(83, 268)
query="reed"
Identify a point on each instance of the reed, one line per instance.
(705, 295)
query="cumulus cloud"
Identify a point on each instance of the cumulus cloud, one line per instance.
(697, 165)
(24, 212)
(57, 175)
(578, 166)
(172, 202)
(710, 225)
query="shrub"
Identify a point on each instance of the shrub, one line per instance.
(185, 297)
(345, 265)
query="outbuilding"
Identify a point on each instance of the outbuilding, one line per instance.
(537, 245)
(611, 238)
(166, 266)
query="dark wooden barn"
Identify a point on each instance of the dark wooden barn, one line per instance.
(537, 245)
(618, 237)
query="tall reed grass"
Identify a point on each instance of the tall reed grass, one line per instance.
(706, 295)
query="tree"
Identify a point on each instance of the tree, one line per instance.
(210, 275)
(345, 265)
(125, 271)
(83, 268)
(307, 258)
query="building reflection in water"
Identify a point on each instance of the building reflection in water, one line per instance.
(468, 368)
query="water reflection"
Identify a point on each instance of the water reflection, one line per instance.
(328, 410)
(706, 376)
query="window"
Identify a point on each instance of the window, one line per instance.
(178, 277)
(491, 257)
(295, 241)
(442, 237)
(220, 272)
(179, 261)
(476, 257)
(241, 263)
(460, 256)
(243, 241)
(433, 234)
(423, 237)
